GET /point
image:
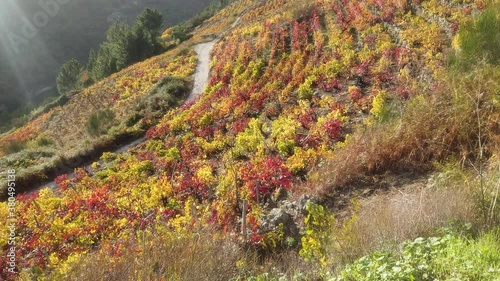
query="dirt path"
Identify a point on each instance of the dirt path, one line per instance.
(202, 72)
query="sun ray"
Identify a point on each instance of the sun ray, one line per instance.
(28, 56)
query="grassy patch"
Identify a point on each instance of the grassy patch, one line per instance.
(13, 147)
(100, 122)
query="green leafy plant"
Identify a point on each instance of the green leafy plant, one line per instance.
(315, 240)
(449, 257)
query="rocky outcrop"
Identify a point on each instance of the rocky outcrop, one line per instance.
(289, 214)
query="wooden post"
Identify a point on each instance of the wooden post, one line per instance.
(244, 221)
(236, 191)
(257, 193)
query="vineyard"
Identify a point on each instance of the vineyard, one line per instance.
(291, 84)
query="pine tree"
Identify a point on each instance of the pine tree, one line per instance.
(146, 33)
(69, 76)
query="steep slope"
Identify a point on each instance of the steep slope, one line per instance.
(66, 141)
(288, 85)
(57, 141)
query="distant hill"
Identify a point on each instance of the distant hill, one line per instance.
(61, 32)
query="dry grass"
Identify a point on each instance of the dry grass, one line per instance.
(287, 264)
(199, 256)
(435, 126)
(385, 220)
(404, 215)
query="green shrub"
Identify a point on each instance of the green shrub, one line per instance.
(100, 122)
(42, 140)
(479, 40)
(27, 157)
(164, 95)
(180, 32)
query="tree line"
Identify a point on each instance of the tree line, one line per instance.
(124, 45)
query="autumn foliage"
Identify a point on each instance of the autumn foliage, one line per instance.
(288, 85)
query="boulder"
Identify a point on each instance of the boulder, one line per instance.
(288, 213)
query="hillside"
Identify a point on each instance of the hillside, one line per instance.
(73, 28)
(329, 131)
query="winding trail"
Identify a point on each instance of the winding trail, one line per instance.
(202, 72)
(200, 77)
